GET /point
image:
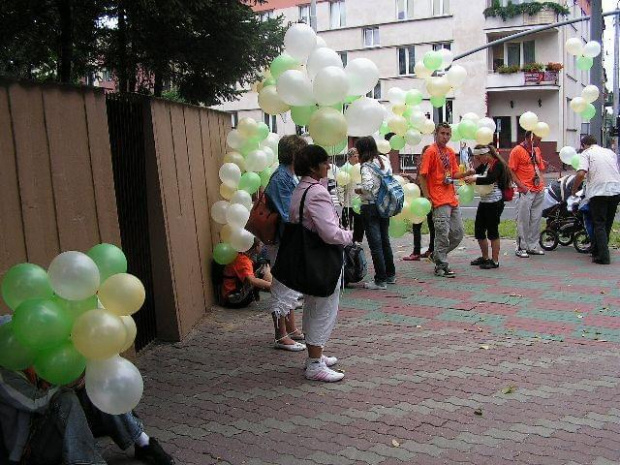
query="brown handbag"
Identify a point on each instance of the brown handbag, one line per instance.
(263, 221)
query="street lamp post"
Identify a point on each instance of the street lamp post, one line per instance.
(596, 73)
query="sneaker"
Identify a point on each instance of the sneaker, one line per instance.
(478, 261)
(154, 454)
(489, 265)
(444, 273)
(521, 253)
(329, 361)
(412, 258)
(536, 252)
(373, 286)
(391, 280)
(427, 254)
(318, 371)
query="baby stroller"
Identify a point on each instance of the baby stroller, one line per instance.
(564, 225)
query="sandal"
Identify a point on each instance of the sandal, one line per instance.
(297, 335)
(297, 347)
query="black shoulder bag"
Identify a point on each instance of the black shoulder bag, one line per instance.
(305, 263)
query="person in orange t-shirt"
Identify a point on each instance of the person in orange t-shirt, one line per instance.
(240, 283)
(527, 164)
(437, 173)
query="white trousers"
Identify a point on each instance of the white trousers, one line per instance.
(284, 298)
(319, 319)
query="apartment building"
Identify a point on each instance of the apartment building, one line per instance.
(397, 33)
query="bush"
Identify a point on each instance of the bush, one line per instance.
(551, 66)
(533, 67)
(508, 69)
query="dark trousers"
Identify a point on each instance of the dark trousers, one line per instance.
(379, 243)
(417, 235)
(603, 210)
(351, 220)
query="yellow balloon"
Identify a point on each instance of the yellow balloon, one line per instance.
(399, 108)
(131, 330)
(227, 191)
(270, 102)
(225, 233)
(327, 127)
(343, 178)
(99, 334)
(236, 158)
(398, 125)
(122, 294)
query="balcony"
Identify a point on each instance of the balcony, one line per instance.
(543, 80)
(521, 15)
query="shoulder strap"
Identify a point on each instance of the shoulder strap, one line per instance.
(303, 201)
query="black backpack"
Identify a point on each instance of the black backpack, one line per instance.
(354, 264)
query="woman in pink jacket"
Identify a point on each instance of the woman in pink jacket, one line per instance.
(319, 215)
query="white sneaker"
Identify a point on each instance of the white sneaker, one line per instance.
(318, 371)
(373, 286)
(329, 361)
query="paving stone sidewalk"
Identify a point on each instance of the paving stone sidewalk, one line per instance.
(517, 365)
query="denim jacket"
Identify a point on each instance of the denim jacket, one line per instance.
(280, 190)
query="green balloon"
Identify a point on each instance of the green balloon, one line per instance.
(351, 98)
(250, 182)
(13, 354)
(456, 134)
(109, 259)
(75, 308)
(336, 149)
(282, 63)
(265, 175)
(420, 207)
(438, 101)
(432, 60)
(584, 63)
(466, 194)
(407, 113)
(384, 129)
(262, 131)
(467, 129)
(248, 146)
(269, 82)
(301, 115)
(589, 112)
(574, 162)
(60, 365)
(40, 324)
(23, 282)
(224, 253)
(397, 142)
(397, 227)
(356, 204)
(336, 106)
(413, 97)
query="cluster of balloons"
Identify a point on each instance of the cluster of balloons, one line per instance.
(248, 165)
(415, 209)
(349, 174)
(529, 121)
(569, 156)
(584, 105)
(585, 53)
(73, 317)
(473, 128)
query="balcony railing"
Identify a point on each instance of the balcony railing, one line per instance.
(522, 79)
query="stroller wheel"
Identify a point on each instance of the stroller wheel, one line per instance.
(565, 238)
(549, 239)
(582, 242)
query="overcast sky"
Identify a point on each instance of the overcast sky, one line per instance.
(608, 39)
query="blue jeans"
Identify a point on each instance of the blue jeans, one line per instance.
(379, 242)
(65, 432)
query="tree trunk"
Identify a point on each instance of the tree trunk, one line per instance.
(65, 58)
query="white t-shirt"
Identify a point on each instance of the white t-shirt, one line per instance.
(603, 177)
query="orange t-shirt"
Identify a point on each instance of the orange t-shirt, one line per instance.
(433, 168)
(236, 271)
(521, 164)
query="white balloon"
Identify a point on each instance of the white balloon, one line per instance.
(74, 275)
(299, 41)
(422, 71)
(578, 104)
(234, 139)
(272, 141)
(484, 136)
(412, 191)
(362, 75)
(541, 129)
(237, 215)
(438, 86)
(330, 85)
(230, 174)
(218, 211)
(456, 75)
(487, 122)
(590, 94)
(574, 46)
(364, 116)
(243, 198)
(322, 58)
(566, 154)
(114, 385)
(343, 178)
(446, 58)
(417, 119)
(413, 137)
(247, 127)
(383, 146)
(271, 157)
(295, 88)
(428, 127)
(591, 49)
(356, 175)
(396, 96)
(402, 181)
(256, 161)
(241, 240)
(528, 120)
(320, 42)
(471, 116)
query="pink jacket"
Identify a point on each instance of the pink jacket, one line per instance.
(319, 213)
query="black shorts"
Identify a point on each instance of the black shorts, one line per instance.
(487, 220)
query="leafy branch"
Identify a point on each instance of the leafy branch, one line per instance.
(511, 10)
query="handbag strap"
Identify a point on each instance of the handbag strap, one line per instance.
(303, 201)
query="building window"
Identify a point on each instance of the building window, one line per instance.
(440, 7)
(406, 60)
(513, 54)
(304, 14)
(344, 57)
(404, 9)
(271, 122)
(529, 52)
(337, 14)
(376, 92)
(371, 36)
(520, 53)
(266, 15)
(439, 45)
(234, 118)
(301, 130)
(443, 114)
